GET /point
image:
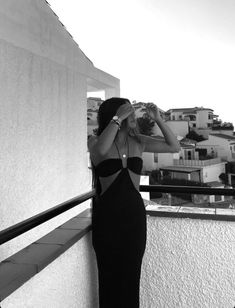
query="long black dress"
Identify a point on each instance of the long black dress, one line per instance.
(119, 235)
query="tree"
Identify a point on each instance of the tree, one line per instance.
(224, 178)
(194, 136)
(145, 125)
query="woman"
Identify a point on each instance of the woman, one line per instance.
(118, 217)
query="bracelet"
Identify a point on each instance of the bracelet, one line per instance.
(117, 123)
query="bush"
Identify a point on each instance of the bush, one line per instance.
(194, 136)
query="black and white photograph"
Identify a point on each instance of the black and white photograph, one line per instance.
(117, 154)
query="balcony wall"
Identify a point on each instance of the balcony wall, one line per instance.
(188, 263)
(69, 282)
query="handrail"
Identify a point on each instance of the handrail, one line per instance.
(188, 189)
(34, 221)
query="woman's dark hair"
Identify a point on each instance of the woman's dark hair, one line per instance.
(107, 110)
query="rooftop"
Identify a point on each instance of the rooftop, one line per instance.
(189, 109)
(182, 169)
(224, 136)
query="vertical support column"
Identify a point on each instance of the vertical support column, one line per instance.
(112, 92)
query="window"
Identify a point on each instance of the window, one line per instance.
(156, 157)
(218, 198)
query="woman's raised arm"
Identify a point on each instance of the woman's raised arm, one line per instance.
(169, 145)
(100, 145)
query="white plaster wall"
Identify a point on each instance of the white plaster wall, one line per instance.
(188, 263)
(148, 161)
(202, 118)
(166, 159)
(44, 79)
(43, 136)
(179, 128)
(175, 115)
(43, 117)
(222, 146)
(67, 284)
(211, 173)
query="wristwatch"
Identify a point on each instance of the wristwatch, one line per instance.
(116, 120)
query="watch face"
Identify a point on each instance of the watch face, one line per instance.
(115, 118)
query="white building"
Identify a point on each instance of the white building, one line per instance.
(179, 128)
(93, 104)
(200, 119)
(220, 145)
(44, 80)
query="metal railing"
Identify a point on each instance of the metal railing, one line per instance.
(188, 189)
(34, 221)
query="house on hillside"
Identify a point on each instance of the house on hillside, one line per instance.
(153, 161)
(189, 167)
(199, 119)
(179, 127)
(225, 128)
(219, 145)
(93, 104)
(140, 109)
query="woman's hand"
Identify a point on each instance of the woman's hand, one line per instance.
(124, 111)
(153, 112)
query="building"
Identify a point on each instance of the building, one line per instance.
(93, 104)
(179, 127)
(219, 145)
(200, 119)
(44, 81)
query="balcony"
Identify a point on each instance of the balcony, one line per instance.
(196, 163)
(188, 260)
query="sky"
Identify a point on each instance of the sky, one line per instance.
(175, 53)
